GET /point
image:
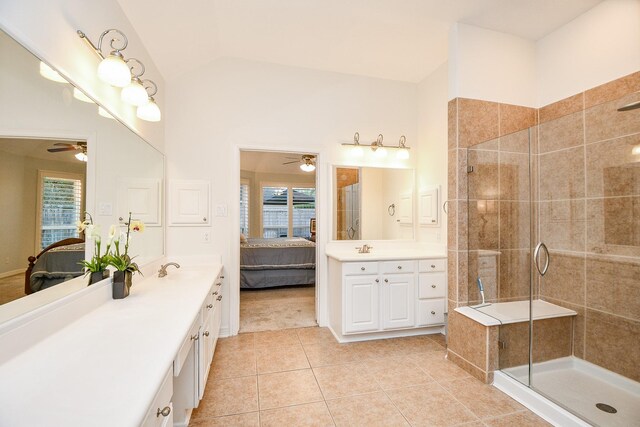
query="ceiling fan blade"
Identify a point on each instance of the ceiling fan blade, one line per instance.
(288, 163)
(66, 144)
(56, 150)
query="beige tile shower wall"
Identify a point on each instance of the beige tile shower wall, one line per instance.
(589, 217)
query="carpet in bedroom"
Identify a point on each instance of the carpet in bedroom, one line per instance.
(277, 308)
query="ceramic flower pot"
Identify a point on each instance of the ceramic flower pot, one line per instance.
(121, 284)
(97, 276)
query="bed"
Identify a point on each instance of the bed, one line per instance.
(282, 261)
(56, 263)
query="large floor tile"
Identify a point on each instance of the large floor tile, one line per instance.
(315, 335)
(251, 419)
(430, 405)
(416, 344)
(308, 415)
(279, 359)
(483, 400)
(240, 342)
(438, 367)
(520, 419)
(233, 364)
(288, 388)
(345, 380)
(396, 372)
(227, 397)
(329, 354)
(366, 410)
(279, 338)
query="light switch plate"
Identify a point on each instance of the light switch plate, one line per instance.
(105, 208)
(221, 210)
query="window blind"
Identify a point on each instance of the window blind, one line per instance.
(61, 209)
(244, 209)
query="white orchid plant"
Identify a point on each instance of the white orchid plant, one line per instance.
(100, 261)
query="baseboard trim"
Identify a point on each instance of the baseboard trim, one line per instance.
(12, 273)
(224, 332)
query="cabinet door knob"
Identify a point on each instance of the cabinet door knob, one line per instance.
(433, 312)
(399, 267)
(377, 280)
(215, 293)
(433, 286)
(164, 411)
(218, 284)
(209, 306)
(433, 266)
(386, 280)
(204, 219)
(205, 333)
(222, 277)
(194, 337)
(362, 268)
(219, 298)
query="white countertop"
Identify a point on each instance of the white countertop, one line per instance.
(105, 368)
(385, 255)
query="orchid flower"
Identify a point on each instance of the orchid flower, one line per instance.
(80, 226)
(112, 234)
(137, 226)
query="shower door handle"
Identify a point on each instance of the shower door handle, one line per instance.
(536, 257)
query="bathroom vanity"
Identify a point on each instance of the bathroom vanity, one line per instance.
(91, 360)
(386, 294)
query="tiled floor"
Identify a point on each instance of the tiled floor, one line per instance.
(277, 308)
(303, 377)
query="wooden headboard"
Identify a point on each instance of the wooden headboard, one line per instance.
(33, 259)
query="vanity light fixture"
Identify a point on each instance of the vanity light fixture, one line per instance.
(51, 74)
(377, 147)
(403, 150)
(135, 93)
(149, 111)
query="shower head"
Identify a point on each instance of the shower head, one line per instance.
(631, 106)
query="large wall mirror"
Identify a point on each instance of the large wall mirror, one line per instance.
(59, 159)
(373, 203)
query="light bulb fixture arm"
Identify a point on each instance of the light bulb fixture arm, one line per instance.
(378, 143)
(98, 49)
(134, 63)
(150, 84)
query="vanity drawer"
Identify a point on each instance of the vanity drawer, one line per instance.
(351, 268)
(432, 285)
(160, 412)
(427, 265)
(192, 335)
(397, 266)
(431, 312)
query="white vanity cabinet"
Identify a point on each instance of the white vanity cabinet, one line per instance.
(160, 412)
(380, 297)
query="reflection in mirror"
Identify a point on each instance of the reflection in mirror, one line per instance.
(373, 203)
(58, 159)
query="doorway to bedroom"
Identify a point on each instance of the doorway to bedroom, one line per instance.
(277, 240)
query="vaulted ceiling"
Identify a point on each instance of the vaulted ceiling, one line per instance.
(394, 39)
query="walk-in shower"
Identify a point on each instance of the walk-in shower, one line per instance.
(554, 238)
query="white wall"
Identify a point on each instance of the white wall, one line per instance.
(491, 66)
(232, 103)
(432, 147)
(48, 29)
(601, 45)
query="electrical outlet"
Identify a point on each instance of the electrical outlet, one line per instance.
(206, 237)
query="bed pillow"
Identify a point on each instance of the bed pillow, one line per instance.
(243, 238)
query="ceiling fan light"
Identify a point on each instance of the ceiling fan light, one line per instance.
(81, 156)
(80, 96)
(134, 94)
(149, 111)
(308, 167)
(105, 113)
(402, 154)
(51, 74)
(114, 71)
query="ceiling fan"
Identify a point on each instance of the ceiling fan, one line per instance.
(80, 147)
(307, 162)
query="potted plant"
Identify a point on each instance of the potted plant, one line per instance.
(96, 266)
(122, 262)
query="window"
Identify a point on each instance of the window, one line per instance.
(60, 206)
(244, 209)
(275, 212)
(287, 210)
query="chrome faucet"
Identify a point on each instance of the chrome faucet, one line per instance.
(365, 249)
(163, 268)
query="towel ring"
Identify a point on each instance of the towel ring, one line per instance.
(391, 209)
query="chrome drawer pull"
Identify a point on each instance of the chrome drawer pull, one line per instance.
(399, 267)
(377, 280)
(386, 280)
(219, 298)
(194, 337)
(164, 411)
(433, 286)
(362, 268)
(215, 293)
(205, 333)
(209, 306)
(433, 266)
(219, 284)
(433, 312)
(222, 277)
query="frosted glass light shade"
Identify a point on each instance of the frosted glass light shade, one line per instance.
(357, 151)
(308, 167)
(104, 113)
(134, 94)
(149, 111)
(80, 96)
(114, 71)
(636, 150)
(82, 157)
(49, 73)
(402, 154)
(380, 152)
